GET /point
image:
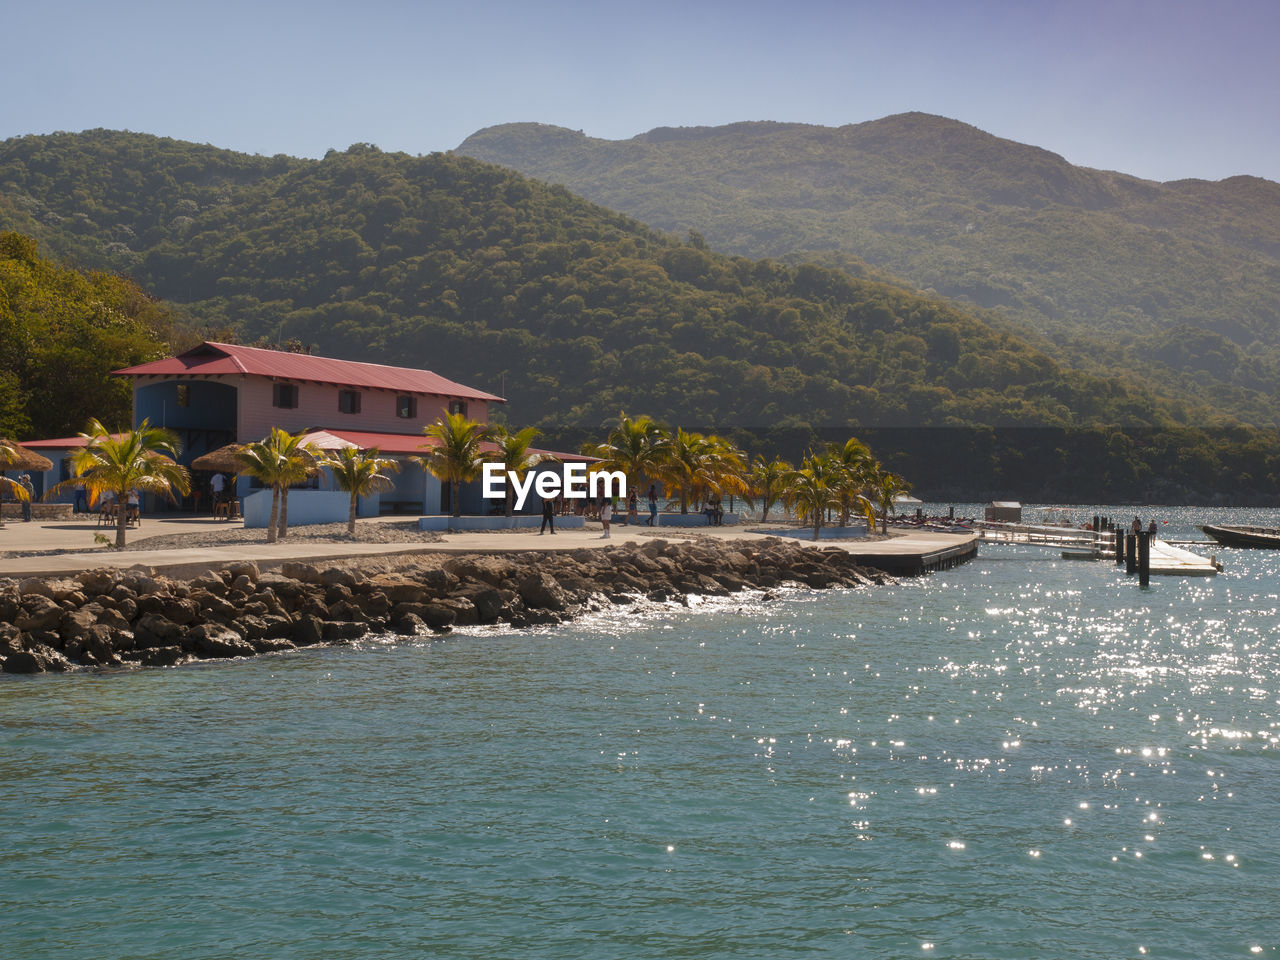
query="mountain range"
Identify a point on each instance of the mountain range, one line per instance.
(1176, 284)
(574, 312)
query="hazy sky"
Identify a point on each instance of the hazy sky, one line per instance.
(1159, 88)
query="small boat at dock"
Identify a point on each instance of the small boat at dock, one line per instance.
(1267, 538)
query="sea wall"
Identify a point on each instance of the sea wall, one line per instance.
(108, 618)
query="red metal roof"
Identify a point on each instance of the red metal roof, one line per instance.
(225, 358)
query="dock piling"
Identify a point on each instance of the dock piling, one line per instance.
(1144, 559)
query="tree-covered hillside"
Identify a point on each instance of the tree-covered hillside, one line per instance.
(576, 312)
(62, 332)
(1177, 282)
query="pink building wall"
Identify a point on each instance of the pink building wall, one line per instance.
(318, 407)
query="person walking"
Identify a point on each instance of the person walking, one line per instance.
(548, 516)
(25, 480)
(606, 511)
(633, 502)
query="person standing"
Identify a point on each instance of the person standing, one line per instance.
(606, 511)
(633, 502)
(25, 480)
(548, 516)
(653, 505)
(215, 488)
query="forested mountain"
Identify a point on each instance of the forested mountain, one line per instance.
(1177, 282)
(575, 312)
(62, 332)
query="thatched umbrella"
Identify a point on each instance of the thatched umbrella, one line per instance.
(24, 459)
(222, 460)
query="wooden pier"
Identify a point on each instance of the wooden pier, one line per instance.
(1164, 559)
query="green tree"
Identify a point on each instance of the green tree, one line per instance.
(361, 473)
(142, 460)
(9, 456)
(810, 493)
(767, 483)
(455, 453)
(887, 486)
(512, 451)
(852, 472)
(636, 446)
(279, 461)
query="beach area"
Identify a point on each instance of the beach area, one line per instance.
(195, 588)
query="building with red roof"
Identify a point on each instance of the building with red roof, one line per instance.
(220, 393)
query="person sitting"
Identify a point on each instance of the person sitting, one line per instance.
(134, 508)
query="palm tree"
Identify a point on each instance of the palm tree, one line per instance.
(141, 460)
(279, 461)
(767, 483)
(636, 446)
(853, 471)
(698, 465)
(8, 456)
(512, 451)
(457, 456)
(361, 473)
(887, 487)
(809, 491)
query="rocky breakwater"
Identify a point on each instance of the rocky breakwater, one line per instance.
(105, 618)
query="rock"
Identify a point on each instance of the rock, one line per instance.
(308, 630)
(32, 657)
(495, 571)
(212, 640)
(75, 624)
(488, 604)
(180, 612)
(409, 625)
(464, 611)
(302, 572)
(336, 630)
(155, 631)
(164, 656)
(337, 575)
(397, 588)
(436, 615)
(36, 587)
(242, 585)
(41, 613)
(94, 582)
(245, 568)
(273, 645)
(539, 591)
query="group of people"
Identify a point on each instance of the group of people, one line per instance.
(605, 511)
(1136, 527)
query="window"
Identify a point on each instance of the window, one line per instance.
(348, 401)
(284, 395)
(458, 406)
(406, 407)
(184, 395)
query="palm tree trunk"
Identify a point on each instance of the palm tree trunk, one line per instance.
(817, 522)
(122, 517)
(457, 498)
(275, 512)
(284, 512)
(351, 516)
(511, 496)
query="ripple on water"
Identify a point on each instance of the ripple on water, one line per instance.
(1015, 758)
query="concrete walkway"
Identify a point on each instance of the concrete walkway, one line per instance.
(78, 536)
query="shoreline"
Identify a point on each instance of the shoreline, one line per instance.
(105, 618)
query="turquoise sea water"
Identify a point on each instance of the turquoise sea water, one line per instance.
(1021, 757)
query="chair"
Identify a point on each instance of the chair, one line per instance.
(107, 513)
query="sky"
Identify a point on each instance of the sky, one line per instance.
(1162, 89)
